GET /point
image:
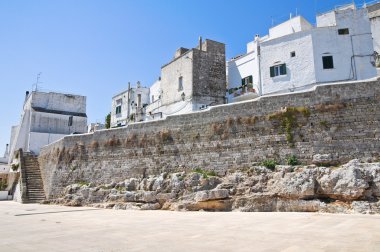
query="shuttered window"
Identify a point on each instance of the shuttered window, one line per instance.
(277, 70)
(247, 80)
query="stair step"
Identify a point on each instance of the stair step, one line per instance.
(34, 183)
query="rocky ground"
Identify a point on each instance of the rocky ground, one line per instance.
(350, 188)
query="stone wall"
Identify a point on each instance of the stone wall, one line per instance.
(340, 120)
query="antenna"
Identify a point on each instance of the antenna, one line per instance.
(35, 85)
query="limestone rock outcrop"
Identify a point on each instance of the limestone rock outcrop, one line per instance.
(350, 188)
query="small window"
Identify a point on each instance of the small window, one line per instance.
(118, 109)
(180, 83)
(328, 62)
(344, 31)
(139, 100)
(277, 70)
(70, 121)
(247, 80)
(152, 98)
(293, 54)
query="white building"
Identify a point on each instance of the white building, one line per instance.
(193, 80)
(92, 127)
(47, 117)
(5, 158)
(152, 109)
(295, 55)
(374, 16)
(129, 105)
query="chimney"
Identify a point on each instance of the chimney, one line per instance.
(6, 150)
(200, 43)
(26, 95)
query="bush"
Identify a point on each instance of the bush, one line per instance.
(270, 164)
(15, 167)
(292, 160)
(204, 173)
(3, 185)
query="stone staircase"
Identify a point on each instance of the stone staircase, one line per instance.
(33, 180)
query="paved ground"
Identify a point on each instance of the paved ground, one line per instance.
(55, 228)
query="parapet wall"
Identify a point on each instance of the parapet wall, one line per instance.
(341, 120)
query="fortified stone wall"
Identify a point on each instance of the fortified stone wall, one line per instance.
(341, 120)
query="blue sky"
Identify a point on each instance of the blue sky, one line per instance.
(94, 48)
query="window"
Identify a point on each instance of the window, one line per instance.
(180, 83)
(247, 80)
(139, 100)
(328, 62)
(293, 54)
(70, 121)
(344, 31)
(118, 106)
(278, 70)
(118, 109)
(152, 98)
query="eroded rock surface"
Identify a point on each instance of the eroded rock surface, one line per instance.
(351, 188)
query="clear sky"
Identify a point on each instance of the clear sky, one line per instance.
(94, 48)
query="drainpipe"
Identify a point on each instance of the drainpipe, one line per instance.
(353, 59)
(257, 39)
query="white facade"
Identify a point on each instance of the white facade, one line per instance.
(92, 127)
(295, 54)
(129, 105)
(294, 25)
(374, 16)
(152, 110)
(47, 117)
(4, 159)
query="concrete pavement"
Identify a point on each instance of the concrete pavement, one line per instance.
(57, 228)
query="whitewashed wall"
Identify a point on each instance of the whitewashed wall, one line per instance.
(170, 73)
(58, 101)
(51, 121)
(155, 91)
(122, 117)
(296, 24)
(300, 69)
(310, 45)
(38, 140)
(375, 27)
(358, 42)
(56, 123)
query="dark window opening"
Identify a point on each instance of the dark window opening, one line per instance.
(328, 62)
(118, 109)
(277, 70)
(180, 83)
(247, 80)
(70, 121)
(293, 54)
(344, 31)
